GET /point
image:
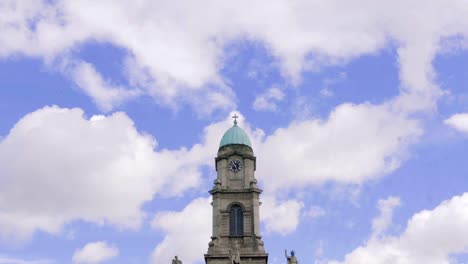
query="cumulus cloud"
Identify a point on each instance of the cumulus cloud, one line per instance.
(280, 216)
(354, 144)
(458, 121)
(431, 236)
(268, 100)
(187, 232)
(57, 166)
(96, 252)
(181, 46)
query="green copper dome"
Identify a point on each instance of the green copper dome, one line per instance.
(235, 136)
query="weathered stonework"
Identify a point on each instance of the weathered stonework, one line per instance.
(239, 188)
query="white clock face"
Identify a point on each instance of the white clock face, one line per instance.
(235, 165)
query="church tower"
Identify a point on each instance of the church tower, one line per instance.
(236, 225)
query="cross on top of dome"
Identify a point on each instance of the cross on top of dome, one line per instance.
(235, 118)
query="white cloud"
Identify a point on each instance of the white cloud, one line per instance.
(104, 94)
(56, 166)
(268, 100)
(431, 236)
(354, 144)
(384, 220)
(187, 232)
(180, 46)
(98, 170)
(280, 216)
(96, 252)
(458, 121)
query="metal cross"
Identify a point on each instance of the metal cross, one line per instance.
(235, 119)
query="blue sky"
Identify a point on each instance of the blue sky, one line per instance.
(111, 113)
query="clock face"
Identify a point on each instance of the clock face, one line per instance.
(235, 165)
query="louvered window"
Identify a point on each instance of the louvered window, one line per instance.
(236, 221)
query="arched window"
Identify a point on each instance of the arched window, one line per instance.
(236, 221)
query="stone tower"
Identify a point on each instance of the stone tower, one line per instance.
(236, 224)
